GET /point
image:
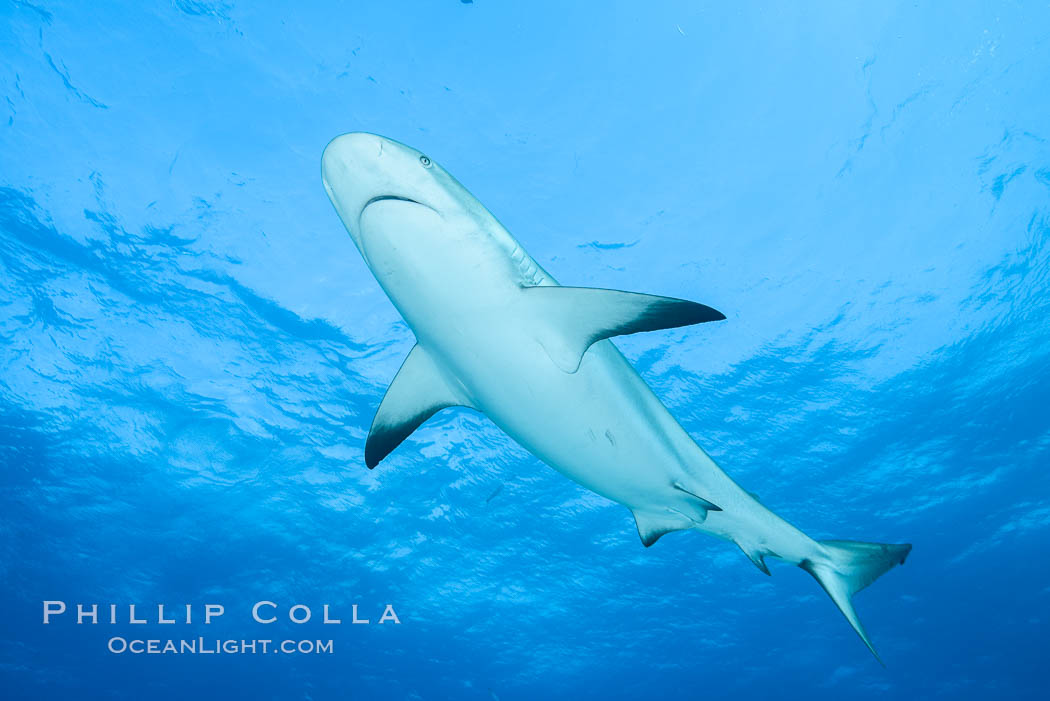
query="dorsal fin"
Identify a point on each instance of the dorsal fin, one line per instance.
(570, 319)
(418, 391)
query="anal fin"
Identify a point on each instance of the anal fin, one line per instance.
(756, 555)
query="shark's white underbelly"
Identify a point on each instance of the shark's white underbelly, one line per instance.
(600, 426)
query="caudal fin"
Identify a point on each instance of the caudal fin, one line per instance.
(851, 566)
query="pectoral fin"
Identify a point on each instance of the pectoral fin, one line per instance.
(417, 392)
(570, 319)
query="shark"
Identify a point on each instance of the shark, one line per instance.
(497, 334)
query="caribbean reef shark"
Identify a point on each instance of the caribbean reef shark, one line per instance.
(496, 333)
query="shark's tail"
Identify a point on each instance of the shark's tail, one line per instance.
(849, 567)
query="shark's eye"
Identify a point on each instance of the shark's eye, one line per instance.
(425, 161)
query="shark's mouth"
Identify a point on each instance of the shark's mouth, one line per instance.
(390, 198)
(397, 198)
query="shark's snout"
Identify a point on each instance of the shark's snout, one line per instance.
(352, 170)
(348, 157)
(347, 149)
(374, 184)
(359, 169)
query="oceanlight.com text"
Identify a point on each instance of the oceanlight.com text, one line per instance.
(213, 646)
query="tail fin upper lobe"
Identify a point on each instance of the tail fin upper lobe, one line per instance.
(851, 566)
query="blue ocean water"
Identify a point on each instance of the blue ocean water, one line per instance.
(192, 349)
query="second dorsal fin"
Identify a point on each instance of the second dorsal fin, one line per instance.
(418, 391)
